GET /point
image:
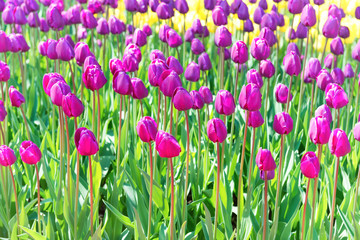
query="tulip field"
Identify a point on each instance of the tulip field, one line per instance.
(179, 119)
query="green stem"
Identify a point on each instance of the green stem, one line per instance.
(151, 190)
(91, 198)
(217, 190)
(119, 141)
(172, 201)
(304, 213)
(187, 165)
(265, 204)
(334, 199)
(38, 197)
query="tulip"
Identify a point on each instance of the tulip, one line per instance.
(313, 68)
(308, 16)
(174, 64)
(219, 16)
(239, 52)
(338, 76)
(250, 97)
(122, 83)
(268, 35)
(260, 49)
(4, 72)
(268, 21)
(93, 78)
(139, 38)
(198, 101)
(348, 71)
(292, 47)
(254, 77)
(336, 46)
(319, 130)
(330, 60)
(197, 46)
(243, 12)
(292, 64)
(169, 80)
(192, 73)
(182, 99)
(356, 132)
(301, 31)
(130, 63)
(267, 69)
(209, 4)
(72, 105)
(324, 111)
(82, 51)
(64, 51)
(331, 27)
(54, 18)
(157, 54)
(255, 120)
(258, 14)
(115, 25)
(196, 26)
(265, 161)
(336, 97)
(16, 98)
(344, 32)
(248, 26)
(3, 112)
(283, 123)
(33, 20)
(163, 11)
(87, 19)
(189, 35)
(224, 103)
(323, 79)
(281, 93)
(222, 37)
(174, 40)
(204, 64)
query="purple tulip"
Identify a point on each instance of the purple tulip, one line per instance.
(292, 63)
(189, 35)
(308, 16)
(72, 105)
(255, 119)
(356, 131)
(147, 29)
(175, 65)
(295, 6)
(139, 38)
(122, 83)
(82, 51)
(64, 51)
(192, 72)
(319, 130)
(268, 21)
(139, 90)
(85, 142)
(239, 52)
(301, 31)
(116, 26)
(93, 78)
(281, 93)
(269, 174)
(216, 130)
(3, 112)
(331, 27)
(323, 79)
(204, 62)
(16, 98)
(156, 68)
(336, 46)
(355, 54)
(174, 40)
(330, 61)
(224, 102)
(209, 4)
(325, 112)
(260, 49)
(164, 11)
(206, 94)
(283, 123)
(258, 14)
(87, 19)
(344, 32)
(265, 161)
(310, 165)
(7, 156)
(182, 99)
(313, 68)
(267, 69)
(197, 99)
(222, 37)
(336, 97)
(269, 35)
(339, 143)
(196, 26)
(147, 129)
(131, 5)
(102, 27)
(248, 26)
(338, 76)
(250, 97)
(54, 18)
(253, 76)
(29, 153)
(169, 80)
(219, 16)
(197, 46)
(243, 12)
(33, 20)
(348, 71)
(130, 63)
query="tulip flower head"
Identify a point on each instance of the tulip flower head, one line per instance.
(331, 27)
(3, 112)
(323, 79)
(216, 130)
(58, 91)
(265, 161)
(204, 62)
(239, 52)
(29, 152)
(308, 16)
(339, 143)
(292, 63)
(319, 130)
(281, 93)
(122, 83)
(250, 97)
(206, 94)
(139, 91)
(356, 131)
(85, 142)
(156, 68)
(310, 165)
(267, 69)
(253, 76)
(147, 129)
(169, 80)
(72, 105)
(197, 46)
(348, 71)
(182, 99)
(336, 97)
(313, 68)
(16, 98)
(166, 145)
(219, 16)
(224, 102)
(222, 37)
(337, 46)
(94, 78)
(64, 50)
(4, 72)
(338, 76)
(260, 49)
(283, 123)
(7, 156)
(255, 119)
(175, 65)
(325, 112)
(198, 100)
(192, 72)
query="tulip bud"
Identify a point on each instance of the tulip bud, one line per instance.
(4, 42)
(295, 6)
(224, 102)
(197, 47)
(16, 98)
(139, 38)
(243, 12)
(313, 68)
(248, 26)
(116, 26)
(72, 105)
(268, 35)
(356, 52)
(204, 62)
(29, 152)
(93, 78)
(73, 14)
(283, 123)
(90, 60)
(250, 97)
(175, 65)
(336, 46)
(133, 50)
(168, 81)
(87, 19)
(336, 96)
(157, 54)
(206, 94)
(4, 72)
(267, 69)
(344, 32)
(19, 16)
(196, 26)
(182, 99)
(147, 29)
(156, 68)
(239, 52)
(33, 20)
(308, 16)
(338, 76)
(192, 72)
(268, 21)
(357, 13)
(222, 37)
(147, 129)
(331, 27)
(281, 93)
(292, 63)
(131, 5)
(54, 18)
(219, 16)
(189, 35)
(163, 11)
(310, 165)
(348, 72)
(102, 27)
(323, 79)
(197, 99)
(339, 143)
(122, 83)
(301, 31)
(166, 145)
(258, 14)
(335, 12)
(260, 49)
(130, 63)
(291, 34)
(319, 130)
(85, 142)
(330, 61)
(356, 131)
(264, 160)
(82, 51)
(324, 112)
(7, 156)
(139, 90)
(216, 130)
(263, 4)
(3, 111)
(255, 119)
(254, 76)
(58, 91)
(174, 40)
(64, 51)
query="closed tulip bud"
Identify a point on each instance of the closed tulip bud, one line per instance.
(163, 32)
(8, 14)
(319, 2)
(163, 11)
(313, 68)
(255, 119)
(102, 27)
(174, 64)
(355, 54)
(72, 105)
(157, 54)
(122, 83)
(344, 32)
(250, 97)
(295, 6)
(130, 63)
(254, 77)
(222, 37)
(265, 161)
(258, 14)
(85, 142)
(139, 91)
(3, 111)
(90, 60)
(181, 6)
(134, 50)
(336, 97)
(182, 99)
(310, 165)
(308, 16)
(139, 38)
(95, 6)
(87, 19)
(19, 16)
(197, 46)
(147, 129)
(330, 61)
(70, 41)
(209, 4)
(248, 26)
(291, 34)
(31, 5)
(357, 12)
(267, 69)
(54, 18)
(147, 29)
(94, 78)
(268, 35)
(356, 131)
(336, 46)
(325, 112)
(243, 12)
(29, 152)
(224, 102)
(281, 93)
(331, 27)
(4, 72)
(189, 35)
(269, 175)
(224, 5)
(335, 12)
(115, 25)
(239, 52)
(7, 156)
(130, 29)
(192, 72)
(82, 51)
(263, 4)
(156, 68)
(73, 14)
(64, 51)
(14, 43)
(319, 130)
(292, 63)
(339, 143)
(283, 123)
(58, 91)
(44, 27)
(260, 49)
(338, 76)
(235, 6)
(4, 42)
(168, 81)
(16, 98)
(323, 79)
(219, 16)
(198, 100)
(49, 80)
(22, 42)
(115, 65)
(216, 130)
(131, 5)
(42, 47)
(166, 145)
(197, 27)
(348, 71)
(33, 20)
(268, 21)
(204, 62)
(301, 31)
(206, 94)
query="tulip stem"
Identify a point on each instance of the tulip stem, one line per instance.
(313, 98)
(199, 146)
(278, 186)
(77, 187)
(16, 199)
(266, 99)
(248, 195)
(4, 185)
(222, 68)
(289, 93)
(104, 52)
(22, 75)
(351, 97)
(172, 200)
(239, 213)
(159, 102)
(323, 53)
(68, 158)
(91, 198)
(94, 112)
(151, 190)
(119, 140)
(356, 192)
(304, 213)
(187, 164)
(99, 118)
(217, 189)
(118, 45)
(184, 44)
(38, 196)
(265, 204)
(2, 133)
(165, 113)
(338, 117)
(334, 198)
(26, 123)
(72, 77)
(171, 116)
(61, 151)
(312, 221)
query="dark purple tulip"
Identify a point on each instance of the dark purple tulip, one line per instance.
(204, 62)
(250, 97)
(82, 51)
(335, 12)
(331, 27)
(175, 65)
(95, 6)
(281, 20)
(142, 6)
(168, 81)
(64, 51)
(182, 99)
(224, 102)
(163, 32)
(31, 5)
(295, 6)
(283, 123)
(268, 21)
(243, 12)
(116, 26)
(336, 97)
(147, 29)
(33, 20)
(131, 5)
(197, 27)
(269, 35)
(336, 46)
(19, 16)
(163, 11)
(197, 46)
(102, 27)
(325, 112)
(338, 76)
(156, 68)
(181, 6)
(235, 6)
(253, 76)
(153, 5)
(248, 26)
(281, 93)
(267, 69)
(313, 68)
(4, 72)
(189, 35)
(87, 19)
(139, 90)
(206, 32)
(197, 99)
(348, 71)
(139, 38)
(319, 2)
(130, 63)
(308, 16)
(291, 34)
(93, 78)
(224, 5)
(54, 18)
(44, 27)
(219, 16)
(357, 12)
(323, 79)
(239, 52)
(209, 4)
(330, 61)
(174, 40)
(301, 31)
(8, 14)
(292, 63)
(58, 91)
(255, 119)
(344, 32)
(258, 14)
(222, 37)
(122, 83)
(72, 105)
(260, 49)
(22, 42)
(130, 28)
(206, 94)
(192, 72)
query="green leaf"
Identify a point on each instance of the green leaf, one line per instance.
(209, 226)
(125, 220)
(34, 235)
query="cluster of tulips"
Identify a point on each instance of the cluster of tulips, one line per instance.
(159, 123)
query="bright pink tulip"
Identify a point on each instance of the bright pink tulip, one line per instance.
(319, 130)
(265, 161)
(16, 98)
(283, 123)
(310, 165)
(216, 130)
(85, 142)
(250, 97)
(72, 105)
(224, 102)
(166, 145)
(29, 152)
(339, 143)
(7, 156)
(147, 129)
